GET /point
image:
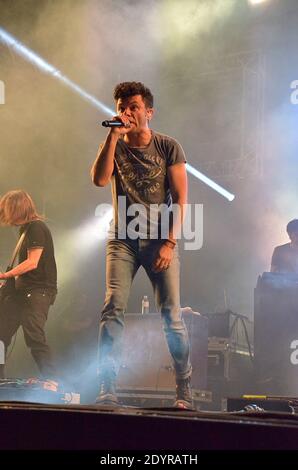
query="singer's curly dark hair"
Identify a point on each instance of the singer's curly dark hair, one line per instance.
(126, 89)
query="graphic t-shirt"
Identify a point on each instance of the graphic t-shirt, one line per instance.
(140, 175)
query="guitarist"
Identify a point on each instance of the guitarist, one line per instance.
(36, 280)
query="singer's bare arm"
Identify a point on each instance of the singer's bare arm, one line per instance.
(178, 186)
(177, 176)
(102, 168)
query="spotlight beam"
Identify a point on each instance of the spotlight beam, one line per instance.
(219, 189)
(45, 67)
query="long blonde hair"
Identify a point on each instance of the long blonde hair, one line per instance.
(17, 208)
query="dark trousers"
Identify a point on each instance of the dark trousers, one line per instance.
(29, 310)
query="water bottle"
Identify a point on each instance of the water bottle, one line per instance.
(145, 305)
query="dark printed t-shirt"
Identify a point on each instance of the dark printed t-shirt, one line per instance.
(45, 275)
(140, 174)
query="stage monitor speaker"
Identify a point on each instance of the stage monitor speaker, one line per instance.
(146, 362)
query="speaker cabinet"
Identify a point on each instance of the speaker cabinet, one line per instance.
(147, 363)
(276, 334)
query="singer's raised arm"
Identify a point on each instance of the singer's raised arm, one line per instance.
(102, 168)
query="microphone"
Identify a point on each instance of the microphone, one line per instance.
(114, 124)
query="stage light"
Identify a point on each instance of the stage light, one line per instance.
(256, 2)
(219, 189)
(104, 215)
(96, 229)
(45, 67)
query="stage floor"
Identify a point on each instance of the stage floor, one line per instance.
(28, 426)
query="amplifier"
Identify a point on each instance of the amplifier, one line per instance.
(276, 334)
(147, 363)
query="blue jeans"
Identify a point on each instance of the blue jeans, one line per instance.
(124, 257)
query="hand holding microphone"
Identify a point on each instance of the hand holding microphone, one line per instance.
(114, 123)
(122, 124)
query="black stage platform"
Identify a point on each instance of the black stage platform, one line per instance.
(26, 426)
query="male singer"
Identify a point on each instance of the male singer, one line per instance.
(145, 168)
